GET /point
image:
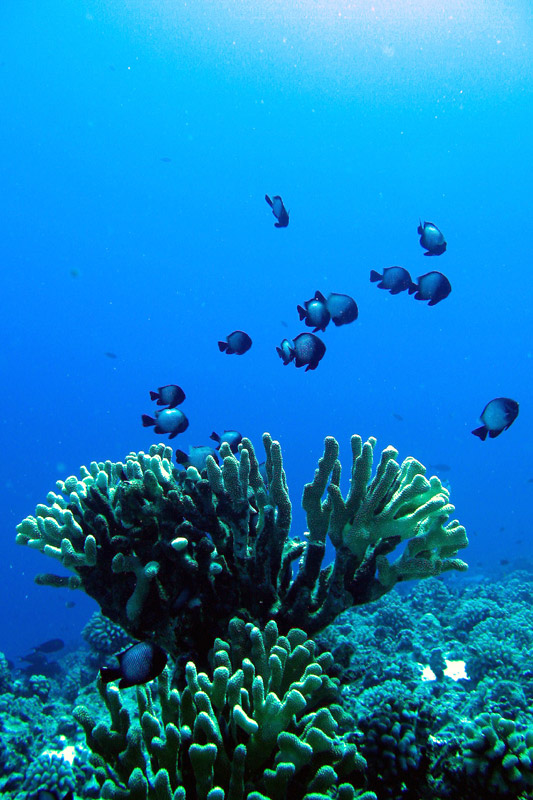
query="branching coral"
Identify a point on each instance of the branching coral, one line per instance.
(261, 725)
(173, 555)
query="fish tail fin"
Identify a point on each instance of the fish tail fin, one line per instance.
(481, 432)
(154, 395)
(215, 437)
(420, 227)
(301, 312)
(108, 674)
(374, 276)
(269, 201)
(279, 225)
(222, 346)
(147, 420)
(181, 457)
(412, 288)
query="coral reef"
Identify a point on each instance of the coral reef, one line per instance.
(499, 755)
(104, 636)
(49, 773)
(261, 725)
(174, 555)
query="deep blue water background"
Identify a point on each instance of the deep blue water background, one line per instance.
(364, 117)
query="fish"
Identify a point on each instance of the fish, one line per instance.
(263, 472)
(110, 355)
(52, 794)
(50, 646)
(431, 239)
(395, 279)
(237, 342)
(138, 664)
(170, 395)
(504, 562)
(233, 438)
(286, 351)
(308, 350)
(315, 312)
(439, 467)
(397, 416)
(34, 658)
(70, 604)
(498, 415)
(166, 159)
(433, 286)
(168, 420)
(196, 457)
(279, 211)
(343, 308)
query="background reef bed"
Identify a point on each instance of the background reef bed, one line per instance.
(421, 739)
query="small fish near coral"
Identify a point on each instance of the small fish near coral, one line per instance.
(498, 415)
(342, 308)
(237, 342)
(196, 457)
(279, 211)
(50, 646)
(140, 663)
(170, 395)
(168, 420)
(433, 286)
(48, 794)
(285, 351)
(431, 239)
(394, 279)
(305, 350)
(233, 438)
(314, 312)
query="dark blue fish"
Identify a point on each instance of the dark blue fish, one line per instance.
(168, 420)
(263, 472)
(315, 312)
(279, 211)
(50, 646)
(52, 794)
(343, 308)
(497, 416)
(286, 351)
(431, 239)
(433, 286)
(196, 457)
(109, 354)
(308, 350)
(395, 279)
(237, 342)
(140, 663)
(233, 438)
(170, 395)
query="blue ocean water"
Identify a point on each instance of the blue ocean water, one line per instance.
(138, 141)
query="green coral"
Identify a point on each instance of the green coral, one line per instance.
(174, 555)
(261, 724)
(104, 636)
(498, 755)
(50, 773)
